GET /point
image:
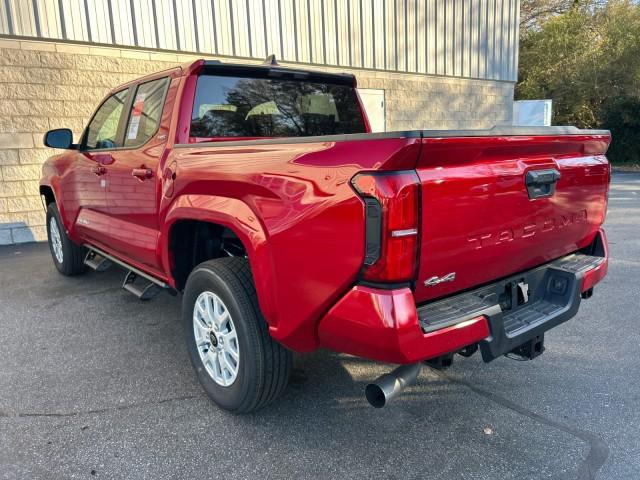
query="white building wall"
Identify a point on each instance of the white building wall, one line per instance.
(435, 64)
(458, 38)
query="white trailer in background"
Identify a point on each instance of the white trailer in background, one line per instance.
(373, 101)
(532, 112)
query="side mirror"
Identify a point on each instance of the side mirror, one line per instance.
(59, 138)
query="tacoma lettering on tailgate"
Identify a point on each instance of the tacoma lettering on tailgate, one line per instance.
(527, 230)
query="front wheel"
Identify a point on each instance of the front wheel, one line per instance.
(237, 362)
(67, 256)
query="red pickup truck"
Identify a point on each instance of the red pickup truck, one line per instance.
(259, 194)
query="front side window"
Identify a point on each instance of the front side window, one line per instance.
(146, 112)
(259, 107)
(102, 132)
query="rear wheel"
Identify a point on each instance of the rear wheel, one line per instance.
(67, 256)
(237, 362)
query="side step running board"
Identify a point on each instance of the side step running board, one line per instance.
(100, 261)
(143, 292)
(96, 262)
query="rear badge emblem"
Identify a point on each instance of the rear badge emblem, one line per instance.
(449, 277)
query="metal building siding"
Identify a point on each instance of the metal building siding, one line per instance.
(462, 38)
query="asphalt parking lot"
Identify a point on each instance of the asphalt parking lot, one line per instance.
(96, 384)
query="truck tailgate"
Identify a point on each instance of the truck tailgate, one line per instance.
(495, 206)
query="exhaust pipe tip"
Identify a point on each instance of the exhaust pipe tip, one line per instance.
(390, 385)
(375, 396)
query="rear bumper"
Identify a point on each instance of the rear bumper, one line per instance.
(386, 325)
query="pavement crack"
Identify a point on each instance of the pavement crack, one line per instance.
(598, 449)
(96, 411)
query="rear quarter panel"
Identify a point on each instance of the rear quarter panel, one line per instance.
(302, 219)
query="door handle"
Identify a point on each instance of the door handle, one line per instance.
(98, 170)
(142, 173)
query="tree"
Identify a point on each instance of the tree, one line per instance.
(533, 13)
(586, 58)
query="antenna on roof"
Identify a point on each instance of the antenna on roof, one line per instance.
(271, 60)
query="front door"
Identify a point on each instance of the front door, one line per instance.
(132, 187)
(85, 185)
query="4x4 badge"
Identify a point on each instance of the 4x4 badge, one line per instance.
(449, 277)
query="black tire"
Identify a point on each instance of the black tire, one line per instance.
(72, 254)
(264, 366)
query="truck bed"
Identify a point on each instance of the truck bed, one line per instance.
(478, 222)
(476, 217)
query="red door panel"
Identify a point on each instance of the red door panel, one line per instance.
(135, 175)
(83, 190)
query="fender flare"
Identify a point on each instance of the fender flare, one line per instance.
(238, 217)
(52, 181)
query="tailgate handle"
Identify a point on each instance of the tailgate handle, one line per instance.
(541, 183)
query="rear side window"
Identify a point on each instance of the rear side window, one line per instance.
(258, 107)
(146, 112)
(102, 131)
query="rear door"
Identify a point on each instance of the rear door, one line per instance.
(495, 206)
(133, 186)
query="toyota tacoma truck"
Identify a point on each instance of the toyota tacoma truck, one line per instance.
(259, 195)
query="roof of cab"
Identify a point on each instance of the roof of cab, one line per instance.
(270, 68)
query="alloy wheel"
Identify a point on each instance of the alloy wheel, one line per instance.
(216, 338)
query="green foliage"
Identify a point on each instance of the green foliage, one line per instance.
(622, 117)
(534, 13)
(587, 59)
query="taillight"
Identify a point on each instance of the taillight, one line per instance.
(392, 224)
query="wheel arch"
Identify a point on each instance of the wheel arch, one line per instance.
(49, 189)
(47, 192)
(218, 216)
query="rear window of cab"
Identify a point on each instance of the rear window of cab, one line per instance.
(263, 107)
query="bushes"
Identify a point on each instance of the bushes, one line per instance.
(622, 117)
(587, 59)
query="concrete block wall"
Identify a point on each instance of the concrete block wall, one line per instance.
(436, 103)
(45, 85)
